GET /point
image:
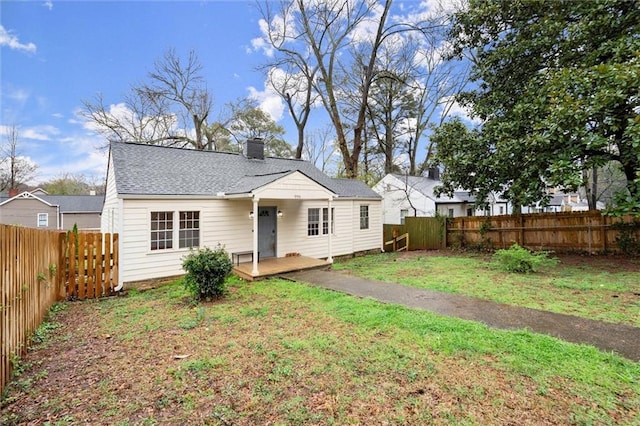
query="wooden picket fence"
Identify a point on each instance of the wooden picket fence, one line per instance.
(40, 267)
(90, 265)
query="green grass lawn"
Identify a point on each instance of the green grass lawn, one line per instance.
(583, 290)
(279, 352)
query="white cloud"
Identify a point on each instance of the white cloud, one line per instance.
(11, 41)
(365, 31)
(453, 108)
(20, 96)
(48, 4)
(268, 101)
(279, 31)
(39, 133)
(80, 155)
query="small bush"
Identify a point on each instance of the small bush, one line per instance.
(207, 271)
(519, 259)
(627, 239)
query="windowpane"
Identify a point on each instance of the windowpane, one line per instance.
(189, 233)
(364, 217)
(161, 230)
(43, 219)
(325, 221)
(313, 223)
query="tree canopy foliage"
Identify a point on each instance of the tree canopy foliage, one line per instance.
(72, 184)
(557, 87)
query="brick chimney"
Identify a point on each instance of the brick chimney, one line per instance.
(254, 149)
(13, 192)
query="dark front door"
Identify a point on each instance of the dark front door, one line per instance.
(267, 231)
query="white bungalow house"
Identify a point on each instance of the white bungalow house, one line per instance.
(404, 196)
(164, 201)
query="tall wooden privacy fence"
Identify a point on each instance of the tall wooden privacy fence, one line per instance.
(568, 231)
(588, 231)
(40, 267)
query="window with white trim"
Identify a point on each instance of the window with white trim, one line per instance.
(403, 214)
(163, 224)
(313, 222)
(189, 231)
(364, 217)
(161, 230)
(325, 221)
(43, 220)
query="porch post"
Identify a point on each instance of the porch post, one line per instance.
(329, 257)
(255, 271)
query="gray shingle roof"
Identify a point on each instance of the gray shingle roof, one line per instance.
(76, 203)
(426, 185)
(154, 170)
(71, 203)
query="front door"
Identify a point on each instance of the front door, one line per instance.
(267, 231)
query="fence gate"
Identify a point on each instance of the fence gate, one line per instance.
(425, 233)
(91, 264)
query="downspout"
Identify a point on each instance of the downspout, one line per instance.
(120, 220)
(255, 270)
(330, 258)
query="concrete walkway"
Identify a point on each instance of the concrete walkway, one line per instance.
(619, 338)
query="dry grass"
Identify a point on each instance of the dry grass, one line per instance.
(277, 352)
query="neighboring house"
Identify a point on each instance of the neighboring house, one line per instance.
(164, 201)
(51, 211)
(562, 202)
(414, 196)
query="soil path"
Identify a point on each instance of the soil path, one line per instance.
(620, 338)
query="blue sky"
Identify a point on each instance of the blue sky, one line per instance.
(56, 53)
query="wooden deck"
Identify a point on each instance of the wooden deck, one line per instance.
(278, 265)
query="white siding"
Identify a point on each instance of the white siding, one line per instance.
(294, 186)
(367, 239)
(221, 221)
(109, 220)
(396, 198)
(227, 222)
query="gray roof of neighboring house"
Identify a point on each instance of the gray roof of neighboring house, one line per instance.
(76, 203)
(426, 185)
(142, 169)
(70, 203)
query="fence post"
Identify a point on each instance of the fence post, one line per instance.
(604, 233)
(521, 230)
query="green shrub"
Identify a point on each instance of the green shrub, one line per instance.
(519, 259)
(627, 238)
(207, 271)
